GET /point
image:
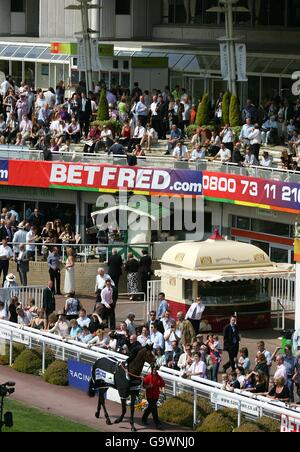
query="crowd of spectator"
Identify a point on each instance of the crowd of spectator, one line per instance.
(51, 121)
(176, 345)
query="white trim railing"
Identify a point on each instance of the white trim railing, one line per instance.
(274, 173)
(24, 294)
(242, 401)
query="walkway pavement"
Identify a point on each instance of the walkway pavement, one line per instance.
(69, 403)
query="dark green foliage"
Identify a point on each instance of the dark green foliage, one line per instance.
(180, 410)
(248, 427)
(17, 350)
(103, 111)
(57, 373)
(225, 108)
(234, 112)
(202, 117)
(217, 423)
(28, 362)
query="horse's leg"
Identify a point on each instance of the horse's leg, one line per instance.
(102, 398)
(134, 395)
(124, 408)
(97, 414)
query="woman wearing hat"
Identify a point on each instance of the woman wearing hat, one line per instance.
(10, 282)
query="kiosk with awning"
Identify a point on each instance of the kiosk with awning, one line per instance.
(231, 278)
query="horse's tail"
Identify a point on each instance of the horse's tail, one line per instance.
(91, 391)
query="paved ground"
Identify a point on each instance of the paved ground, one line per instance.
(69, 403)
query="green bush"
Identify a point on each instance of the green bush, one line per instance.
(17, 350)
(180, 410)
(225, 108)
(248, 427)
(203, 111)
(28, 362)
(216, 423)
(269, 425)
(230, 414)
(57, 373)
(234, 112)
(237, 130)
(49, 357)
(103, 111)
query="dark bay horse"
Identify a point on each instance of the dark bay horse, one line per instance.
(110, 373)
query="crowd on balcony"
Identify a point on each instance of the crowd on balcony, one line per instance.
(52, 121)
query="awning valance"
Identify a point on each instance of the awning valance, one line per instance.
(280, 271)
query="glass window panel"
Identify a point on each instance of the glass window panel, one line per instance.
(268, 227)
(17, 71)
(262, 245)
(243, 223)
(123, 7)
(233, 292)
(279, 255)
(22, 51)
(9, 51)
(270, 87)
(30, 73)
(35, 52)
(125, 80)
(188, 290)
(114, 79)
(46, 55)
(2, 47)
(4, 66)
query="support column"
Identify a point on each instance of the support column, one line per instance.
(297, 298)
(165, 11)
(95, 19)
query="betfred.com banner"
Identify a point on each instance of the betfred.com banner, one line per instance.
(103, 178)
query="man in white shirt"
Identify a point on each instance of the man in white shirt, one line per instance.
(224, 154)
(255, 140)
(156, 337)
(281, 371)
(139, 133)
(101, 279)
(170, 336)
(194, 314)
(267, 160)
(6, 254)
(83, 320)
(5, 86)
(30, 242)
(227, 136)
(247, 129)
(180, 152)
(19, 237)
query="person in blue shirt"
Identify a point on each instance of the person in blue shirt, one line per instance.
(175, 137)
(163, 305)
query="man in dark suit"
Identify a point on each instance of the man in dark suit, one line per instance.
(6, 232)
(115, 264)
(173, 356)
(231, 343)
(49, 299)
(145, 270)
(85, 113)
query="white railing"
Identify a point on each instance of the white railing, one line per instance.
(249, 404)
(23, 153)
(24, 294)
(284, 290)
(153, 289)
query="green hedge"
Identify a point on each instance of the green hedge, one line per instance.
(180, 410)
(249, 427)
(30, 361)
(57, 373)
(216, 423)
(17, 350)
(203, 111)
(225, 108)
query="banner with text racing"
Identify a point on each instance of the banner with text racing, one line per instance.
(252, 192)
(104, 178)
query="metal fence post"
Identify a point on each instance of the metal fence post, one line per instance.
(11, 349)
(43, 357)
(174, 389)
(195, 407)
(240, 413)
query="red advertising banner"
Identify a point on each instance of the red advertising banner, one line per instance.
(290, 424)
(104, 178)
(252, 192)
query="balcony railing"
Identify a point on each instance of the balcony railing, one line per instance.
(19, 153)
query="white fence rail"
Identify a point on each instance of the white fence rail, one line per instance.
(24, 294)
(248, 404)
(153, 290)
(284, 290)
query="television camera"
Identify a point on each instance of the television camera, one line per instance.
(6, 389)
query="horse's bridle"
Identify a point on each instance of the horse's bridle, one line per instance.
(131, 374)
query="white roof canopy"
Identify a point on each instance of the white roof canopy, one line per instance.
(246, 274)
